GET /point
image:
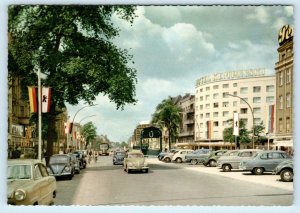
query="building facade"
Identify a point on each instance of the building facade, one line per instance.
(284, 90)
(220, 95)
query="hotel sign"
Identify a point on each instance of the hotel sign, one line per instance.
(285, 34)
(230, 76)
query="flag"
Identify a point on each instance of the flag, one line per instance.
(270, 119)
(236, 124)
(68, 127)
(45, 99)
(209, 129)
(32, 93)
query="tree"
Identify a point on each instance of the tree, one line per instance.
(167, 114)
(73, 47)
(89, 132)
(259, 130)
(243, 133)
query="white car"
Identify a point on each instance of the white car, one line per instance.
(179, 156)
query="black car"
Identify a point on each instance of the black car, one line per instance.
(118, 157)
(61, 165)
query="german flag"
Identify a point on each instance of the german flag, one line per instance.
(32, 91)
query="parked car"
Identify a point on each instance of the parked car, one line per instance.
(76, 163)
(212, 158)
(286, 170)
(60, 165)
(264, 161)
(28, 183)
(135, 161)
(197, 156)
(168, 157)
(162, 154)
(233, 159)
(118, 157)
(179, 156)
(82, 158)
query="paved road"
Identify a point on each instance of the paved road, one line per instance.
(166, 184)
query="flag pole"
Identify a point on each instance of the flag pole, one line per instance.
(39, 116)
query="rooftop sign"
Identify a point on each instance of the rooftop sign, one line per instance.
(230, 76)
(285, 34)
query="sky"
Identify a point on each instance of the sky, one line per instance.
(173, 46)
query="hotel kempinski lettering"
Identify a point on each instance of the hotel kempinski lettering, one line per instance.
(230, 75)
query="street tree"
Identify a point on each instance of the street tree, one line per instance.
(167, 114)
(73, 48)
(88, 131)
(243, 133)
(259, 133)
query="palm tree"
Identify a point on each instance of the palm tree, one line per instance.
(167, 115)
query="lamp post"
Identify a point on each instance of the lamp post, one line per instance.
(86, 117)
(251, 112)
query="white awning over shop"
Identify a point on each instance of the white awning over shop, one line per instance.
(287, 143)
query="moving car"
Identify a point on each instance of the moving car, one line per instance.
(213, 157)
(28, 183)
(197, 156)
(60, 165)
(179, 156)
(264, 161)
(285, 170)
(233, 159)
(135, 161)
(118, 157)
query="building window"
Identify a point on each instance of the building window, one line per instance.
(256, 99)
(288, 125)
(207, 97)
(216, 87)
(282, 56)
(216, 114)
(216, 105)
(280, 102)
(22, 111)
(207, 115)
(242, 101)
(207, 106)
(270, 88)
(225, 86)
(207, 88)
(216, 123)
(244, 110)
(270, 99)
(235, 93)
(244, 120)
(288, 76)
(201, 98)
(225, 104)
(234, 84)
(256, 89)
(280, 125)
(201, 90)
(234, 103)
(225, 94)
(281, 78)
(216, 95)
(243, 90)
(257, 121)
(288, 100)
(201, 107)
(256, 110)
(225, 114)
(201, 116)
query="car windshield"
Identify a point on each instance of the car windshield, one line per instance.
(231, 153)
(135, 155)
(58, 159)
(19, 172)
(120, 153)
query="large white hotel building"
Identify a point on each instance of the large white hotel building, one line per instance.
(214, 107)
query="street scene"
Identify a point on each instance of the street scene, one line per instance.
(127, 105)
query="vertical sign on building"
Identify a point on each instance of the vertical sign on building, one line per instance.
(209, 129)
(236, 125)
(270, 119)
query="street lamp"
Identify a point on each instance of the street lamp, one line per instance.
(86, 117)
(251, 112)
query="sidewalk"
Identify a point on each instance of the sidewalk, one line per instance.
(267, 179)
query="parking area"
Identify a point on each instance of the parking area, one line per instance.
(265, 179)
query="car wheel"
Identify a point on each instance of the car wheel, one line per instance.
(226, 168)
(168, 160)
(146, 170)
(258, 171)
(286, 175)
(194, 161)
(178, 160)
(212, 163)
(70, 177)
